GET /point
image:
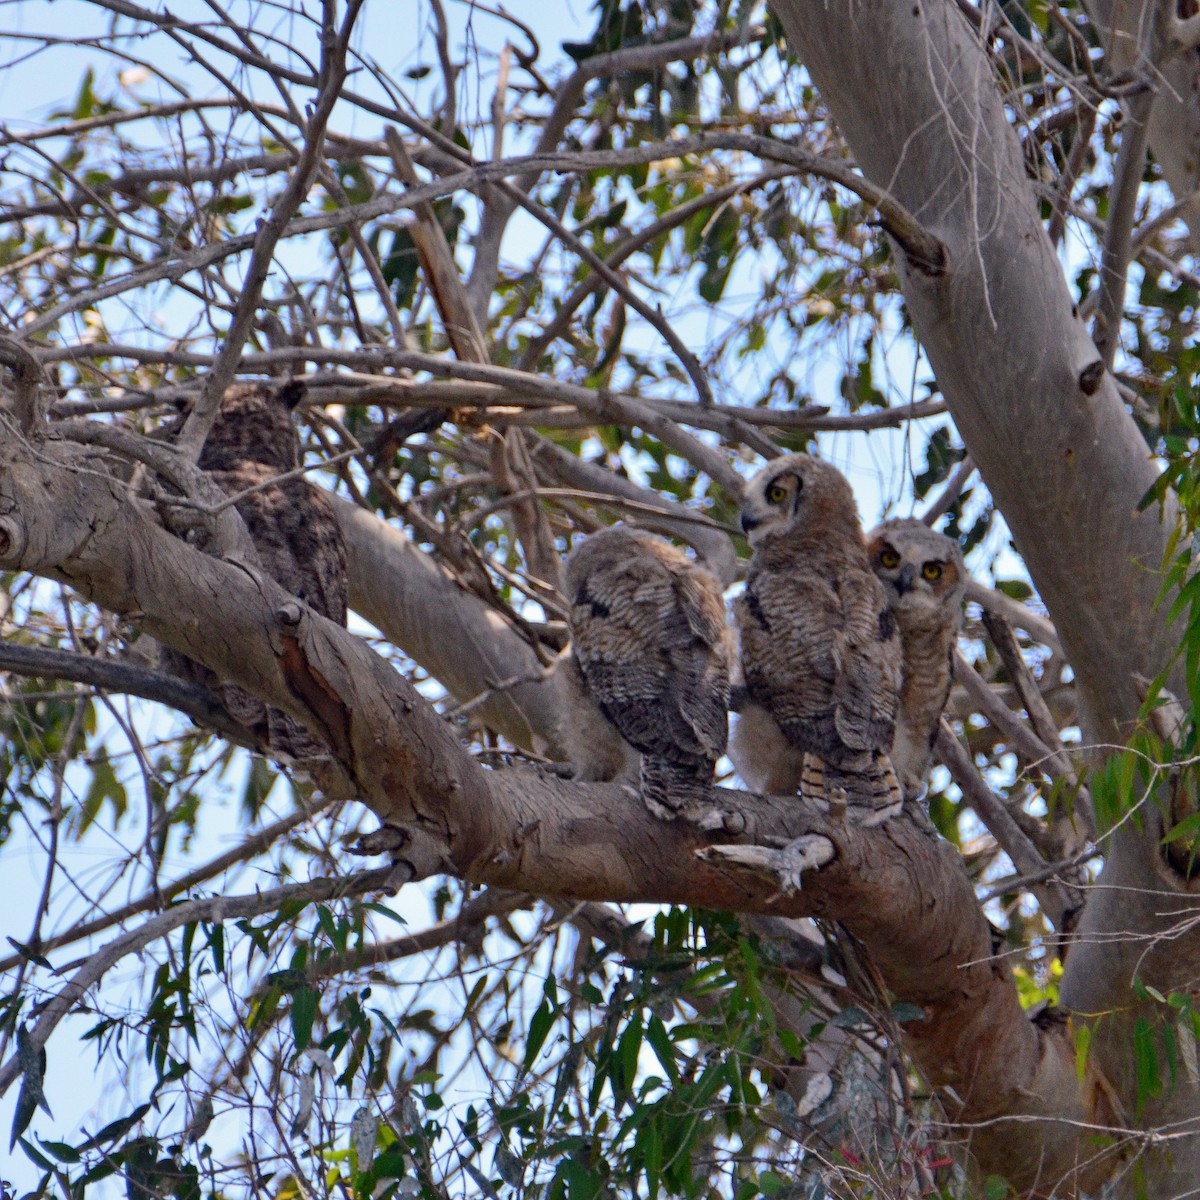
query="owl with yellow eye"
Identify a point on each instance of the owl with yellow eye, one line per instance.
(925, 578)
(819, 649)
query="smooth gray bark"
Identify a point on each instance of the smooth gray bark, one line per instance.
(912, 91)
(464, 644)
(1175, 117)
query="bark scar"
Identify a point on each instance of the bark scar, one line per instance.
(316, 693)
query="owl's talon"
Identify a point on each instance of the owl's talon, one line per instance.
(872, 818)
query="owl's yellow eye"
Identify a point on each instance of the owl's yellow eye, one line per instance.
(777, 493)
(889, 558)
(932, 571)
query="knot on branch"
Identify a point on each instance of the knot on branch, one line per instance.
(12, 541)
(28, 379)
(416, 853)
(289, 613)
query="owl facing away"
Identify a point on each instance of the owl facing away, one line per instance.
(653, 651)
(292, 525)
(925, 579)
(820, 652)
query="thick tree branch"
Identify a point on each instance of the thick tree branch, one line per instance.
(905, 897)
(1050, 439)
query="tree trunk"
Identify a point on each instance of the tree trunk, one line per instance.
(912, 91)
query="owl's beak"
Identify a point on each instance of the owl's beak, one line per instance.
(749, 521)
(904, 580)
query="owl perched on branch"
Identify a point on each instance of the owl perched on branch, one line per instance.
(653, 652)
(820, 652)
(925, 579)
(292, 525)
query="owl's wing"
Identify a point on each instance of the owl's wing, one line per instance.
(868, 680)
(791, 653)
(663, 687)
(701, 657)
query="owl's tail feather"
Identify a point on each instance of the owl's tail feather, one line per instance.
(866, 784)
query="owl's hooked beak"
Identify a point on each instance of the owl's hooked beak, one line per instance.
(749, 521)
(904, 581)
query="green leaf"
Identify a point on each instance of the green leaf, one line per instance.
(660, 1043)
(539, 1027)
(1083, 1046)
(849, 1017)
(304, 1011)
(1145, 1053)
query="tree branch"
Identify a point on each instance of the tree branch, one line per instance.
(334, 45)
(905, 897)
(127, 678)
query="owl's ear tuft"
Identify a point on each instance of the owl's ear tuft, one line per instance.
(291, 393)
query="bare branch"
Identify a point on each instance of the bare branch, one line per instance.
(264, 839)
(127, 678)
(991, 810)
(333, 73)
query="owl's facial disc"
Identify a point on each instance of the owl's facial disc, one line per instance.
(775, 507)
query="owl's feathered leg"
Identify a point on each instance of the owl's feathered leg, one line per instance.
(865, 784)
(674, 792)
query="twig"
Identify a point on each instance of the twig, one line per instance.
(711, 544)
(992, 811)
(951, 492)
(333, 73)
(255, 844)
(216, 909)
(1034, 702)
(1015, 732)
(593, 283)
(1076, 158)
(1046, 728)
(463, 331)
(189, 698)
(1012, 883)
(1116, 246)
(1034, 624)
(923, 248)
(493, 902)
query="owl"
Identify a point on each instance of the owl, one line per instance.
(925, 579)
(292, 526)
(653, 652)
(820, 652)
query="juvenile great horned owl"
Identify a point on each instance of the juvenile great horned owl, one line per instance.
(925, 579)
(291, 524)
(649, 637)
(820, 651)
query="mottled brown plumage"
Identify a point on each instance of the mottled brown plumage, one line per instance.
(292, 526)
(925, 579)
(820, 652)
(648, 634)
